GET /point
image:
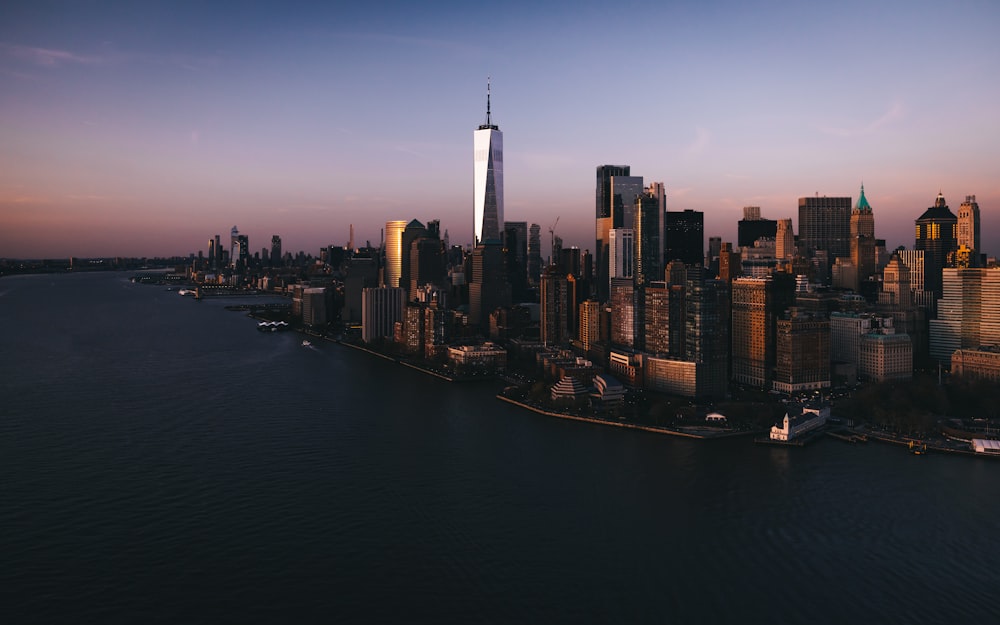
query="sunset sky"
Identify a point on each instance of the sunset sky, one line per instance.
(143, 129)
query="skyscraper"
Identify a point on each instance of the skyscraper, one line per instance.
(488, 179)
(648, 239)
(684, 237)
(621, 253)
(968, 225)
(936, 238)
(753, 227)
(825, 224)
(616, 193)
(393, 252)
(275, 250)
(863, 239)
(784, 240)
(534, 254)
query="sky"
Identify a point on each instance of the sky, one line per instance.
(145, 128)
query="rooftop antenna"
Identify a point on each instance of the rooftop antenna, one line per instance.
(488, 78)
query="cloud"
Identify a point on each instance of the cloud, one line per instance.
(48, 57)
(702, 139)
(894, 112)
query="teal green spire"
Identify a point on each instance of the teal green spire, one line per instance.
(863, 204)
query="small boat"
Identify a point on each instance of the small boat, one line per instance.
(306, 344)
(917, 448)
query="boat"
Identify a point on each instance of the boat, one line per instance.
(917, 448)
(306, 344)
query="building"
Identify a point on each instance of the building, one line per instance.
(621, 252)
(426, 266)
(488, 289)
(825, 225)
(413, 231)
(276, 260)
(534, 254)
(381, 308)
(981, 363)
(616, 192)
(589, 332)
(558, 300)
(488, 180)
(753, 227)
(862, 240)
(757, 304)
(799, 419)
(648, 226)
(623, 315)
(314, 307)
(968, 233)
(896, 283)
(802, 348)
(885, 355)
(784, 240)
(239, 246)
(684, 237)
(393, 252)
(608, 392)
(484, 358)
(967, 313)
(936, 239)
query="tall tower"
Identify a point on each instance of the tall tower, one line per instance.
(784, 240)
(863, 238)
(275, 250)
(488, 179)
(825, 224)
(616, 194)
(936, 238)
(393, 253)
(968, 225)
(684, 237)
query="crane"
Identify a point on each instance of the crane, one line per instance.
(552, 241)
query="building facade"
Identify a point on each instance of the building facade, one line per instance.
(487, 180)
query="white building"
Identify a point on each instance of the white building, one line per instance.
(488, 179)
(799, 419)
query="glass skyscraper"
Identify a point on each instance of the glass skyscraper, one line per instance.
(488, 180)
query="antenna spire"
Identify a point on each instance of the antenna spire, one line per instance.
(488, 123)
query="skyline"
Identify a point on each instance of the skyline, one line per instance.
(146, 130)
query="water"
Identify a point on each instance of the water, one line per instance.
(162, 461)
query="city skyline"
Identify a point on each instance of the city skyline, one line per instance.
(144, 133)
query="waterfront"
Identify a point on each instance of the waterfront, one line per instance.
(163, 461)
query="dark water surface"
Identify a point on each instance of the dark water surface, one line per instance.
(162, 461)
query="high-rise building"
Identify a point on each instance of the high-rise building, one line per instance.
(784, 240)
(534, 254)
(968, 225)
(590, 324)
(212, 255)
(825, 224)
(896, 283)
(802, 349)
(753, 227)
(555, 303)
(757, 304)
(239, 246)
(684, 237)
(275, 250)
(488, 289)
(413, 231)
(616, 193)
(393, 250)
(381, 308)
(621, 252)
(863, 240)
(488, 179)
(648, 239)
(623, 317)
(426, 265)
(936, 238)
(966, 313)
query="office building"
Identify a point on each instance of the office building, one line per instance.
(757, 304)
(968, 234)
(936, 239)
(825, 225)
(802, 346)
(381, 308)
(276, 259)
(753, 227)
(488, 289)
(616, 192)
(621, 250)
(589, 333)
(966, 314)
(648, 239)
(862, 240)
(784, 240)
(623, 314)
(393, 252)
(684, 237)
(885, 355)
(414, 230)
(534, 254)
(558, 301)
(488, 180)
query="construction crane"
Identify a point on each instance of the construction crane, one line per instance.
(552, 241)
